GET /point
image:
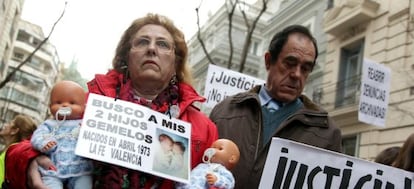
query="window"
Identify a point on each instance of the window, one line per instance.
(33, 83)
(3, 7)
(36, 42)
(330, 4)
(22, 98)
(16, 76)
(2, 65)
(349, 78)
(31, 102)
(4, 92)
(16, 95)
(18, 56)
(36, 63)
(210, 39)
(310, 24)
(29, 81)
(23, 36)
(349, 145)
(254, 46)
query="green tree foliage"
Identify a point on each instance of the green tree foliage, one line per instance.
(71, 73)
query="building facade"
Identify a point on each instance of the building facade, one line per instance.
(28, 91)
(382, 31)
(347, 31)
(10, 12)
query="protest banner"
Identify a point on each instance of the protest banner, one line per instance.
(221, 83)
(129, 135)
(294, 165)
(375, 92)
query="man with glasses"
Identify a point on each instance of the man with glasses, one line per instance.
(277, 108)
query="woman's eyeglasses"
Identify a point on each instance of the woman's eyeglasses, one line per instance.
(142, 44)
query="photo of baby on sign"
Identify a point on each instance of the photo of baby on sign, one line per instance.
(170, 156)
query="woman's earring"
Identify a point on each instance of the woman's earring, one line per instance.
(173, 108)
(124, 67)
(174, 80)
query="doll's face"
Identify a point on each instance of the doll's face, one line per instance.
(226, 153)
(67, 94)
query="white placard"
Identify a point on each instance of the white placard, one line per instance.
(295, 165)
(127, 134)
(375, 92)
(221, 83)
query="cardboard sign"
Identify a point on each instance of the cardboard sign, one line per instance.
(221, 83)
(375, 92)
(294, 165)
(131, 135)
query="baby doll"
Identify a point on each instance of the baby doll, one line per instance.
(218, 160)
(57, 138)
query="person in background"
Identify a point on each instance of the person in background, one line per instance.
(405, 158)
(277, 108)
(57, 138)
(18, 129)
(388, 155)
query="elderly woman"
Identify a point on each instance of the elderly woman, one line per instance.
(149, 68)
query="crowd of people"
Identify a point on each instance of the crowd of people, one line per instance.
(150, 68)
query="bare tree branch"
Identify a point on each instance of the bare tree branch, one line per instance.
(200, 39)
(230, 8)
(230, 14)
(11, 74)
(246, 20)
(249, 35)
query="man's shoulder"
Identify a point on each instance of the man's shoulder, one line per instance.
(310, 105)
(235, 99)
(238, 102)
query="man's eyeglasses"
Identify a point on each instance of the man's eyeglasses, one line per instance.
(142, 44)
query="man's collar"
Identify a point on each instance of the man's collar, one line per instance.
(266, 99)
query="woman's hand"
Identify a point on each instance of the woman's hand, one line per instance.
(34, 180)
